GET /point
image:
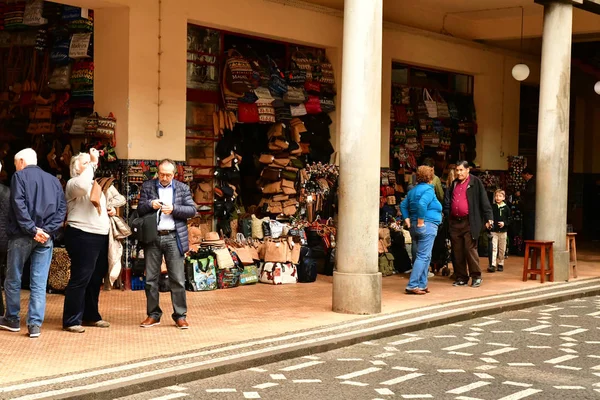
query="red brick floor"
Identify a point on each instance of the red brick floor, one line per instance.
(219, 317)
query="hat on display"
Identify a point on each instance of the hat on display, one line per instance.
(212, 239)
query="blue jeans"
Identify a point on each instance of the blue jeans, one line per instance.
(422, 241)
(19, 250)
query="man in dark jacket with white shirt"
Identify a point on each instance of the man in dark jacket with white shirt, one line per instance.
(174, 200)
(38, 210)
(467, 206)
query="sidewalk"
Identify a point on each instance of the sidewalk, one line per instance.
(224, 316)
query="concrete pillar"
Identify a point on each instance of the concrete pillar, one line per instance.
(553, 133)
(357, 281)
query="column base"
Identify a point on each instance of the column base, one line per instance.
(356, 293)
(561, 266)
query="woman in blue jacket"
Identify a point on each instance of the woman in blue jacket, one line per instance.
(422, 213)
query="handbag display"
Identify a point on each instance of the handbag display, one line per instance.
(430, 104)
(273, 188)
(249, 275)
(257, 230)
(278, 273)
(276, 251)
(224, 259)
(266, 158)
(228, 278)
(275, 207)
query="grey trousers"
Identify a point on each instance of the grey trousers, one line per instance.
(165, 246)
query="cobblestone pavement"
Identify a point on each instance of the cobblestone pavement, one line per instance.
(547, 352)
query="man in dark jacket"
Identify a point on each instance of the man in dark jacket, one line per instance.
(38, 210)
(528, 204)
(174, 200)
(4, 207)
(467, 205)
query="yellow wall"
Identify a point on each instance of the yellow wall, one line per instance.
(273, 20)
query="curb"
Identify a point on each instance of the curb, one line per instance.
(185, 375)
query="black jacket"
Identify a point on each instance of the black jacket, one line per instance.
(528, 196)
(4, 208)
(37, 200)
(480, 209)
(183, 208)
(501, 214)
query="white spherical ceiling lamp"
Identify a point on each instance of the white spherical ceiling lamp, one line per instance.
(520, 72)
(597, 87)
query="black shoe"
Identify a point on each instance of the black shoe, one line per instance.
(492, 269)
(500, 268)
(476, 282)
(460, 282)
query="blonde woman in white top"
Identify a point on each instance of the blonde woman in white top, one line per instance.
(86, 239)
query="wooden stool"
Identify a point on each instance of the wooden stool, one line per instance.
(540, 248)
(572, 249)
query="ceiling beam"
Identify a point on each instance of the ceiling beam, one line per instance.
(592, 6)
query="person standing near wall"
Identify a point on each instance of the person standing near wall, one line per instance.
(467, 206)
(422, 213)
(4, 207)
(528, 204)
(499, 231)
(38, 210)
(86, 239)
(174, 200)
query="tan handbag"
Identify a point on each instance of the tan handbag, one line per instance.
(294, 251)
(266, 158)
(272, 188)
(275, 207)
(257, 230)
(290, 211)
(281, 197)
(276, 251)
(203, 193)
(288, 187)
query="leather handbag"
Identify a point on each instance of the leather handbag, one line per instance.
(272, 188)
(271, 174)
(266, 158)
(275, 207)
(276, 251)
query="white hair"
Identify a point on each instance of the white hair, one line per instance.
(28, 155)
(76, 163)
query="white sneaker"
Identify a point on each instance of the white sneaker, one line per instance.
(430, 275)
(408, 272)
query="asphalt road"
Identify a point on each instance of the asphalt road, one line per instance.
(547, 352)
